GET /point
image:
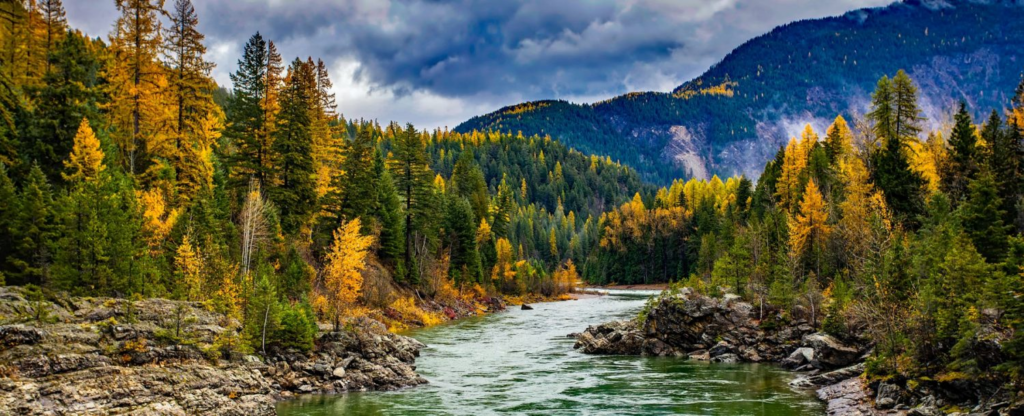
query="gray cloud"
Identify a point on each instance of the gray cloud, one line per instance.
(438, 62)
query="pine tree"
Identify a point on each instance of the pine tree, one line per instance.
(68, 94)
(838, 141)
(460, 239)
(897, 121)
(389, 210)
(358, 184)
(413, 177)
(468, 182)
(86, 161)
(248, 124)
(983, 218)
(295, 195)
(81, 247)
(961, 166)
(8, 214)
(197, 120)
(31, 232)
(1004, 156)
(504, 205)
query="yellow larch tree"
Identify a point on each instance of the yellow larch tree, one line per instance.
(86, 161)
(794, 161)
(503, 267)
(138, 111)
(158, 218)
(338, 290)
(811, 229)
(188, 263)
(839, 141)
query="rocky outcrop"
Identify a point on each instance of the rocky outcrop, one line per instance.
(155, 356)
(686, 324)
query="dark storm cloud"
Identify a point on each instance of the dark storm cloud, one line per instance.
(492, 51)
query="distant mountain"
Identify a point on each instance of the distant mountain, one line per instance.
(734, 117)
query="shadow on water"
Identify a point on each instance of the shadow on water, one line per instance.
(521, 362)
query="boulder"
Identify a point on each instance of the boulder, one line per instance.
(798, 357)
(527, 307)
(617, 337)
(726, 359)
(830, 352)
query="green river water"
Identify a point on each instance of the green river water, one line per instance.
(521, 362)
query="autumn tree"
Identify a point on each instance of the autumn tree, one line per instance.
(136, 84)
(196, 120)
(341, 281)
(811, 229)
(86, 161)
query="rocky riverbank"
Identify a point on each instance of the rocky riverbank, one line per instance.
(728, 330)
(155, 356)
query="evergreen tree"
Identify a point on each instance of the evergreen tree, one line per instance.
(389, 208)
(248, 126)
(460, 240)
(897, 120)
(32, 231)
(413, 177)
(1004, 156)
(67, 96)
(962, 165)
(358, 184)
(468, 182)
(983, 218)
(293, 149)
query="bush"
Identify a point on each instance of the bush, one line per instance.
(298, 327)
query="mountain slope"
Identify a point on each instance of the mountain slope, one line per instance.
(733, 118)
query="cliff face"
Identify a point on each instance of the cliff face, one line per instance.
(107, 356)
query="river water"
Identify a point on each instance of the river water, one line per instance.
(521, 362)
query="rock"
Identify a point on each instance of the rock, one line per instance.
(885, 403)
(830, 352)
(527, 307)
(798, 357)
(14, 335)
(338, 372)
(848, 397)
(617, 337)
(721, 348)
(306, 388)
(825, 379)
(726, 359)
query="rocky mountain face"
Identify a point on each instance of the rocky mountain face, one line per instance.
(733, 118)
(96, 356)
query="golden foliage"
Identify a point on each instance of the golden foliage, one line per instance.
(86, 161)
(503, 268)
(811, 226)
(342, 279)
(158, 218)
(189, 265)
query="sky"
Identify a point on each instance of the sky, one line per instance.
(437, 63)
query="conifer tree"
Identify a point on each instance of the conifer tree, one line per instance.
(811, 229)
(86, 161)
(55, 22)
(136, 82)
(468, 182)
(983, 218)
(389, 211)
(962, 164)
(31, 232)
(1004, 156)
(68, 94)
(358, 183)
(838, 141)
(413, 177)
(248, 123)
(197, 120)
(897, 120)
(295, 194)
(460, 239)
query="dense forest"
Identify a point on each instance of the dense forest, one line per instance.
(866, 231)
(125, 171)
(734, 114)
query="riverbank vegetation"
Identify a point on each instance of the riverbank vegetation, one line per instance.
(870, 232)
(125, 171)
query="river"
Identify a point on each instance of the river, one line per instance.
(521, 362)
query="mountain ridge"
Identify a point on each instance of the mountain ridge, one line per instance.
(733, 117)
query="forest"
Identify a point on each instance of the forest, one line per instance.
(872, 230)
(126, 171)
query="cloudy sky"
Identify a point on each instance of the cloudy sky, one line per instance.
(437, 63)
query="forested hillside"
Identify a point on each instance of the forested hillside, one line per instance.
(733, 118)
(905, 239)
(125, 171)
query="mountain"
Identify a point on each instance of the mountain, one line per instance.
(734, 117)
